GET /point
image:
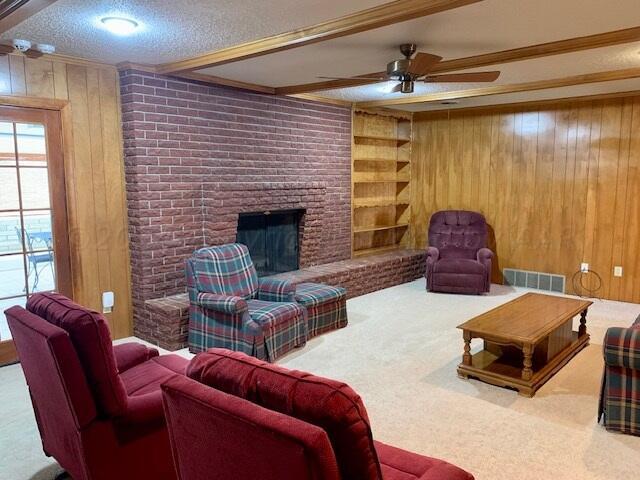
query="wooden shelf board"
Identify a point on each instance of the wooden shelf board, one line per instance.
(377, 202)
(375, 229)
(383, 137)
(374, 250)
(397, 180)
(392, 160)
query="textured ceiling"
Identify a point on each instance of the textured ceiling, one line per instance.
(488, 26)
(172, 30)
(176, 30)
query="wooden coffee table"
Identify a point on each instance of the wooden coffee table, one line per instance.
(526, 341)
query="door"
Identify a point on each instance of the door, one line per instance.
(34, 244)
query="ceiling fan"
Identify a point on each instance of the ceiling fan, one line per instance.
(27, 48)
(409, 70)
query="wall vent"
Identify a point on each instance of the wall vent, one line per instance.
(537, 280)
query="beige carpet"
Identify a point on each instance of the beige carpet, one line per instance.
(400, 353)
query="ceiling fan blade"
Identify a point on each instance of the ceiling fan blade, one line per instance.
(423, 63)
(463, 77)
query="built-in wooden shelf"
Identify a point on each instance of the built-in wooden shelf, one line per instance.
(377, 202)
(397, 180)
(380, 181)
(392, 160)
(398, 140)
(379, 228)
(374, 250)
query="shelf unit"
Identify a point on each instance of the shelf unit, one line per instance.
(381, 181)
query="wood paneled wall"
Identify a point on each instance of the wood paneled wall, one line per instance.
(558, 183)
(94, 167)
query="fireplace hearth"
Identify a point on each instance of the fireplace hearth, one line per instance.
(273, 239)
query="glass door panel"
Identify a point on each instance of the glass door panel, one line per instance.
(39, 250)
(27, 247)
(31, 145)
(7, 144)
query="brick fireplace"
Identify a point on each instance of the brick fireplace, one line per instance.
(230, 200)
(198, 156)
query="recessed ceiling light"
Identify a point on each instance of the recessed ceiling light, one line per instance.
(119, 25)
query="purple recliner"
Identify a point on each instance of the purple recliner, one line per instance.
(457, 258)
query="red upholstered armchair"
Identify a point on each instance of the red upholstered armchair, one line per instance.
(457, 258)
(262, 421)
(98, 407)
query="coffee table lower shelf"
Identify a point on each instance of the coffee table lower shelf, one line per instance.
(506, 370)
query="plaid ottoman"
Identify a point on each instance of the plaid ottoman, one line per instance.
(326, 306)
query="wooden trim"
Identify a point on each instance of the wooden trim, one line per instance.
(384, 112)
(327, 84)
(362, 21)
(559, 47)
(58, 57)
(319, 98)
(66, 120)
(52, 121)
(514, 88)
(8, 353)
(143, 67)
(58, 188)
(505, 56)
(20, 13)
(200, 77)
(33, 102)
(424, 115)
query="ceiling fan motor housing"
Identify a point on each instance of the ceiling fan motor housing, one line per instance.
(398, 68)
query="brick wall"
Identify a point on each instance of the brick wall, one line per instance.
(197, 155)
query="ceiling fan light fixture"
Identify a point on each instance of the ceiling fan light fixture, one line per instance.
(406, 86)
(119, 25)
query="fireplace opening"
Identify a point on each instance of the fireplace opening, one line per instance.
(272, 239)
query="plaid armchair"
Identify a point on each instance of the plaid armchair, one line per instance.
(230, 307)
(620, 394)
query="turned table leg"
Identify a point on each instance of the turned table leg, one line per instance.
(466, 357)
(527, 371)
(582, 330)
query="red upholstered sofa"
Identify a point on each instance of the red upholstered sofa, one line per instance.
(262, 421)
(98, 407)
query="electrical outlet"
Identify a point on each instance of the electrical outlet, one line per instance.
(584, 267)
(617, 271)
(107, 302)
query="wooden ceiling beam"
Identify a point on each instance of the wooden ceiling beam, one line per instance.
(597, 77)
(559, 47)
(13, 12)
(200, 77)
(525, 104)
(369, 19)
(318, 98)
